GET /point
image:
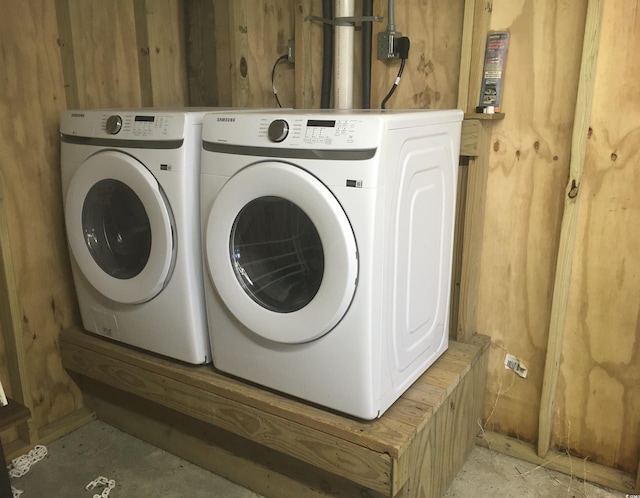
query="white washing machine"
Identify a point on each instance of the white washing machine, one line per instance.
(130, 182)
(328, 246)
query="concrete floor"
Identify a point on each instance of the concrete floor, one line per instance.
(141, 470)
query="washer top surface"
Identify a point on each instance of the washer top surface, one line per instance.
(326, 129)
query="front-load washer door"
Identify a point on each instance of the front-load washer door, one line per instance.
(120, 227)
(281, 252)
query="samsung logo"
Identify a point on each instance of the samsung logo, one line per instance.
(77, 115)
(226, 120)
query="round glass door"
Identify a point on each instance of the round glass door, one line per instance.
(116, 229)
(277, 255)
(120, 228)
(281, 253)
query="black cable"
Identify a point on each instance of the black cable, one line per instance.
(273, 76)
(367, 28)
(327, 55)
(395, 85)
(402, 49)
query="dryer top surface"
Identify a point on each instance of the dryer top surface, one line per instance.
(316, 129)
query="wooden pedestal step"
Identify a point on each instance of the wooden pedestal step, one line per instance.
(281, 447)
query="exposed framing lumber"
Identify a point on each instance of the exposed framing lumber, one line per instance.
(240, 90)
(465, 56)
(200, 39)
(304, 57)
(144, 59)
(472, 228)
(472, 180)
(65, 36)
(573, 466)
(11, 328)
(569, 223)
(476, 23)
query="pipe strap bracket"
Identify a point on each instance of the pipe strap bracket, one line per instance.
(344, 21)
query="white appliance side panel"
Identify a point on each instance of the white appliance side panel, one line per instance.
(422, 227)
(420, 252)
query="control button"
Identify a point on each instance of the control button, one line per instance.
(114, 124)
(278, 130)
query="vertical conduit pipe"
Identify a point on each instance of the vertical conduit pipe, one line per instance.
(391, 25)
(343, 71)
(367, 28)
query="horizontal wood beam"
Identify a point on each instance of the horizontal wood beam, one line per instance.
(573, 466)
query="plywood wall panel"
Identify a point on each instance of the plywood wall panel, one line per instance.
(223, 52)
(259, 31)
(430, 77)
(33, 96)
(57, 55)
(529, 161)
(309, 45)
(105, 53)
(199, 17)
(598, 407)
(165, 27)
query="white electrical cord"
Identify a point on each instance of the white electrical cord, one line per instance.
(20, 466)
(101, 481)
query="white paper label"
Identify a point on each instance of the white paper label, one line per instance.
(513, 363)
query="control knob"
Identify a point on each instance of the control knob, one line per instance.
(278, 130)
(114, 124)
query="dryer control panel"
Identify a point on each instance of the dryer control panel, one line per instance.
(313, 132)
(290, 130)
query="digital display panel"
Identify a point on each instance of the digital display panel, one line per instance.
(323, 123)
(148, 119)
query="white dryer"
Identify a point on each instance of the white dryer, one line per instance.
(131, 201)
(328, 246)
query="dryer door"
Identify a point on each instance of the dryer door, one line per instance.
(120, 228)
(281, 252)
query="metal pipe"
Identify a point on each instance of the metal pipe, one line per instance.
(343, 74)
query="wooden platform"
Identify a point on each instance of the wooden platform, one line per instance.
(278, 446)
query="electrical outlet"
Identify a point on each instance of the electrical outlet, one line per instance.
(291, 51)
(386, 44)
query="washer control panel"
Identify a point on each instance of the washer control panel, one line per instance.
(123, 124)
(136, 126)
